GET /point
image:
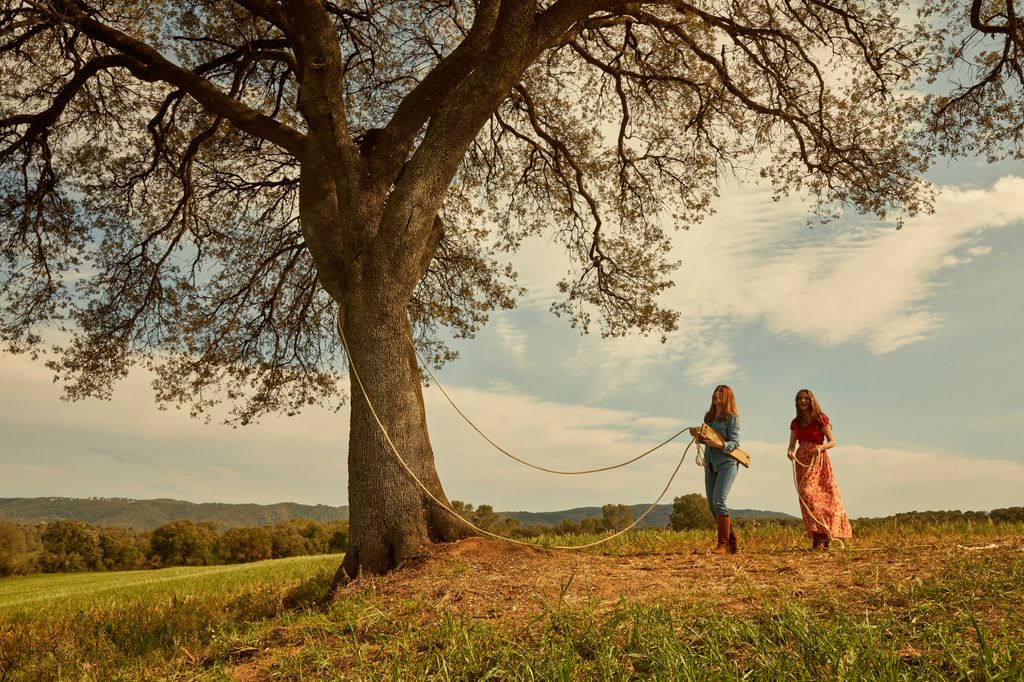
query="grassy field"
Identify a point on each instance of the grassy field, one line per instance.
(897, 603)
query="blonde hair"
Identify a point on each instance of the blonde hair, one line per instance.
(816, 413)
(728, 404)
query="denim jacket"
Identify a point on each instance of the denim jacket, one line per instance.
(729, 429)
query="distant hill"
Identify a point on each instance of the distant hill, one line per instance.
(149, 514)
(658, 518)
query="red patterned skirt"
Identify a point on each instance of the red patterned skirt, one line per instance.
(820, 501)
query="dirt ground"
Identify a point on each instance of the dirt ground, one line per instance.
(489, 579)
(511, 584)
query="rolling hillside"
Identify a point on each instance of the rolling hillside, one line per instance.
(149, 514)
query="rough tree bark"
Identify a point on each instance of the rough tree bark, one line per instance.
(373, 281)
(395, 516)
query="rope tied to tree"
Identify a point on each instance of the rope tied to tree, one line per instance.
(447, 508)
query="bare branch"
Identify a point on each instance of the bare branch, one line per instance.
(151, 65)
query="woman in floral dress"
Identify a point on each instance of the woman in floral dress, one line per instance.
(820, 501)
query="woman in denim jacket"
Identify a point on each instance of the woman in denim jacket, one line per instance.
(719, 468)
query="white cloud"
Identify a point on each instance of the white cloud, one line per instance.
(126, 447)
(756, 262)
(884, 481)
(620, 364)
(513, 340)
(553, 435)
(711, 363)
(868, 285)
(903, 330)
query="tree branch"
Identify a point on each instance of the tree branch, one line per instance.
(156, 67)
(424, 100)
(39, 122)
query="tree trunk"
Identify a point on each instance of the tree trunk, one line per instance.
(391, 516)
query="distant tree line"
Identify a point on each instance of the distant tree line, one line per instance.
(75, 546)
(926, 518)
(614, 517)
(688, 511)
(691, 512)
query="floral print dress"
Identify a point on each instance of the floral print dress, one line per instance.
(820, 501)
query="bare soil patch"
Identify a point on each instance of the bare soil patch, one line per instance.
(489, 579)
(513, 586)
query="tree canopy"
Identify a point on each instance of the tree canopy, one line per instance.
(690, 511)
(151, 158)
(978, 101)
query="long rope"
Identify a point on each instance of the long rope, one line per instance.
(454, 513)
(505, 452)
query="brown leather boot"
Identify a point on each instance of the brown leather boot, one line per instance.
(723, 524)
(734, 546)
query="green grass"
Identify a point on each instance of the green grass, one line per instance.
(62, 593)
(144, 624)
(957, 619)
(642, 642)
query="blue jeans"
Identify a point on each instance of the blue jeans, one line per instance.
(718, 478)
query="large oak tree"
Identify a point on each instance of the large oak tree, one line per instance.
(209, 187)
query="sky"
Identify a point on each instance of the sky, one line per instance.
(911, 339)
